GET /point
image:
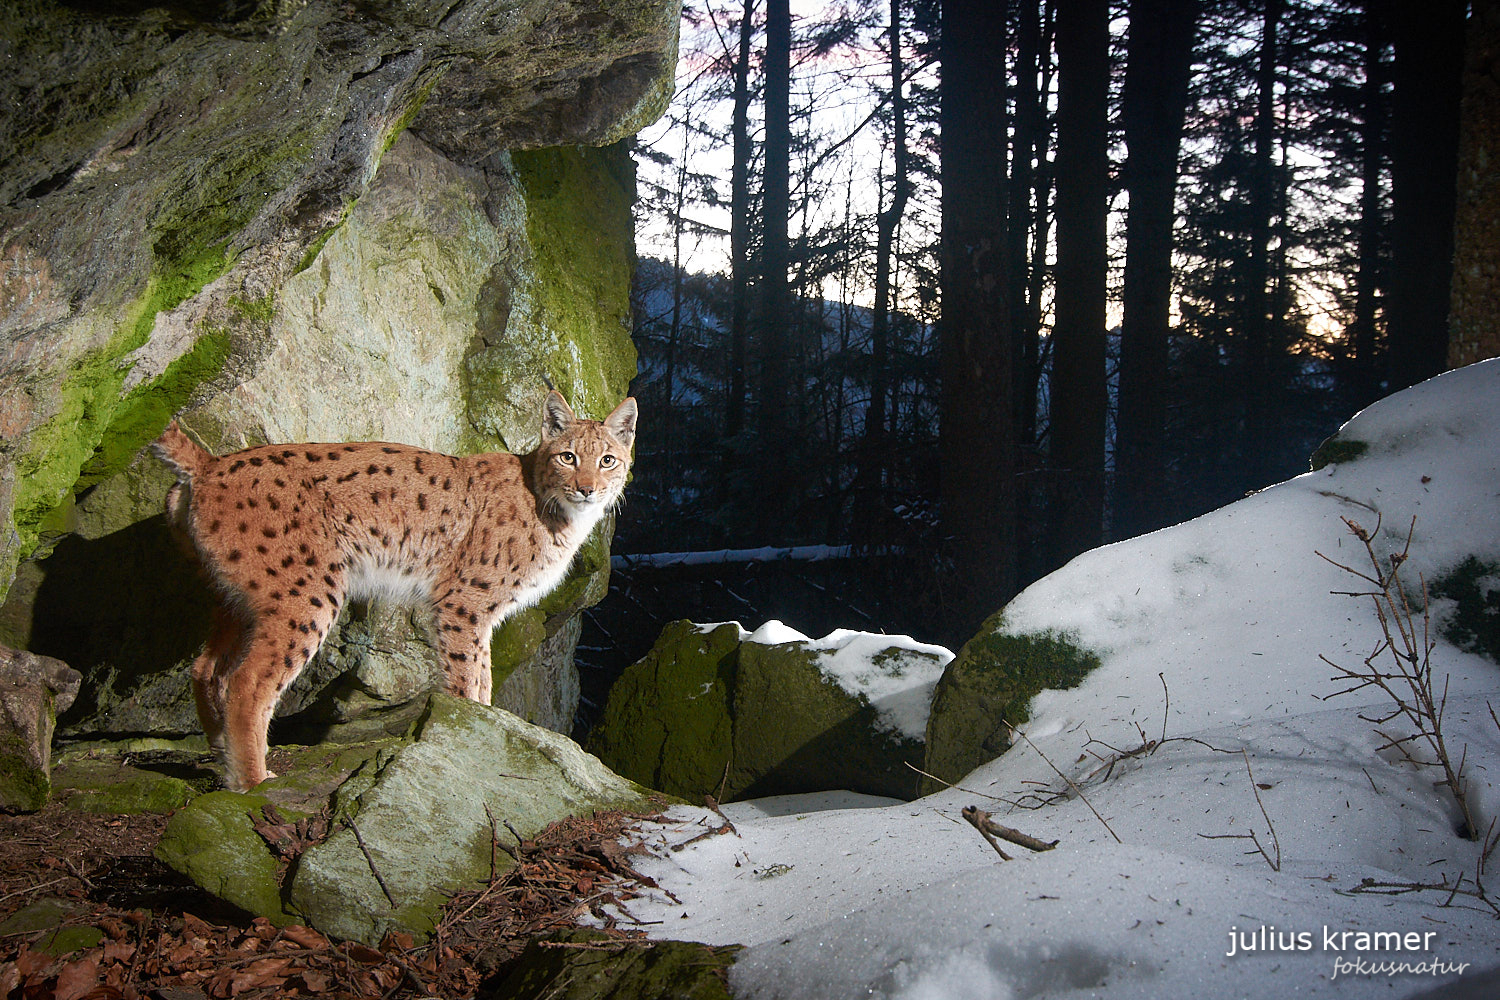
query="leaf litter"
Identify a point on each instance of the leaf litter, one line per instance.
(161, 938)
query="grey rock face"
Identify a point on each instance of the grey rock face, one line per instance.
(33, 689)
(289, 222)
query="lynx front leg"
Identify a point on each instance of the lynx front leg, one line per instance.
(463, 636)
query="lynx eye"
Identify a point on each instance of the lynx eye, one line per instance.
(567, 458)
(607, 462)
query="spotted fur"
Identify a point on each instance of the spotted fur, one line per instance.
(288, 534)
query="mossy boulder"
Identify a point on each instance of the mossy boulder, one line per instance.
(214, 843)
(48, 914)
(289, 223)
(1469, 615)
(714, 711)
(131, 776)
(425, 821)
(590, 965)
(32, 691)
(415, 807)
(397, 303)
(166, 170)
(987, 689)
(669, 720)
(1336, 450)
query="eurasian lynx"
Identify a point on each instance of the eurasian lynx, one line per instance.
(289, 533)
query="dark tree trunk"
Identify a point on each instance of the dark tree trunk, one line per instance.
(739, 232)
(1428, 75)
(1079, 396)
(1367, 278)
(1258, 322)
(977, 438)
(774, 318)
(1029, 121)
(875, 448)
(1154, 102)
(1474, 332)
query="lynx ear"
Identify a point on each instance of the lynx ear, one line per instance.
(621, 422)
(557, 416)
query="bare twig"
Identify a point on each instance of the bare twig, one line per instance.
(1370, 885)
(349, 822)
(1275, 841)
(1407, 681)
(950, 784)
(1273, 861)
(989, 830)
(1067, 780)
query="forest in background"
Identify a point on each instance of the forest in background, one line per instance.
(973, 288)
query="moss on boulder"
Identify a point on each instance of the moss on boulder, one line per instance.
(1471, 593)
(987, 689)
(562, 966)
(668, 722)
(425, 820)
(214, 843)
(710, 711)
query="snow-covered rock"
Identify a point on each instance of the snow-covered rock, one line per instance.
(1210, 719)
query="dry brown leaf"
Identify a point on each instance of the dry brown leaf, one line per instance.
(313, 981)
(76, 978)
(397, 941)
(305, 937)
(118, 951)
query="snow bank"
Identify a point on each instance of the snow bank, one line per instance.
(1208, 632)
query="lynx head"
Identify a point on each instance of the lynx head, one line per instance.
(581, 465)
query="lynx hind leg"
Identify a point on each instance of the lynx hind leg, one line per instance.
(463, 638)
(211, 670)
(275, 654)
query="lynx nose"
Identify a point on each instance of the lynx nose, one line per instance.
(584, 491)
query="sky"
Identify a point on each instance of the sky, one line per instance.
(1224, 804)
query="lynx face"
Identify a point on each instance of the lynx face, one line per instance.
(290, 533)
(581, 466)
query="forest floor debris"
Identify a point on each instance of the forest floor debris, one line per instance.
(136, 930)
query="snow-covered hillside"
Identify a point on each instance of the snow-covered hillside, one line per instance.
(1210, 633)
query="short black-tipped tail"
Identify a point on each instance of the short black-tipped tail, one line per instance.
(186, 457)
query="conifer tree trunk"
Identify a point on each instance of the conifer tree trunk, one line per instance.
(1474, 322)
(739, 231)
(1154, 102)
(1371, 222)
(976, 448)
(1257, 323)
(774, 318)
(875, 446)
(1029, 120)
(1424, 168)
(1079, 397)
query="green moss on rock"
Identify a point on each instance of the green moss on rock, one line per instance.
(24, 787)
(213, 842)
(705, 713)
(1337, 450)
(515, 641)
(425, 818)
(988, 688)
(562, 966)
(1473, 624)
(797, 730)
(667, 723)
